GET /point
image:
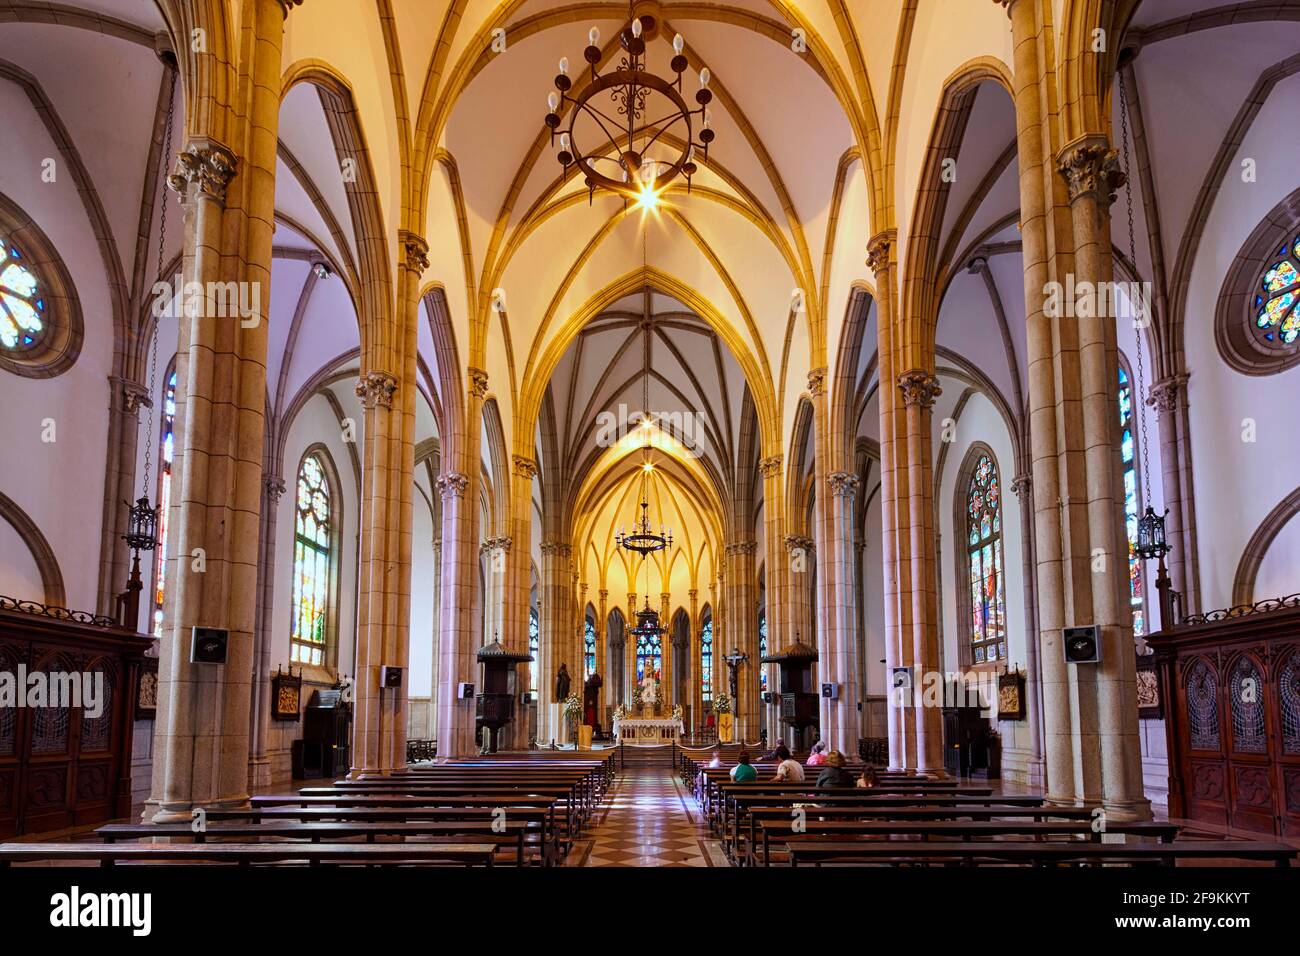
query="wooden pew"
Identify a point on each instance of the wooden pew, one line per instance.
(246, 854)
(782, 831)
(1076, 852)
(503, 833)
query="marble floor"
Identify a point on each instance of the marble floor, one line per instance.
(648, 819)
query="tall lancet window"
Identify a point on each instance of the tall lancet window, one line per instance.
(988, 623)
(1128, 456)
(532, 647)
(589, 649)
(762, 651)
(167, 451)
(313, 561)
(706, 660)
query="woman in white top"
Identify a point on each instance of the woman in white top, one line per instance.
(788, 770)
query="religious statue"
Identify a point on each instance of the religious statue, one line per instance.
(562, 683)
(590, 696)
(649, 691)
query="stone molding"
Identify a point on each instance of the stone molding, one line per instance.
(770, 466)
(817, 381)
(1166, 394)
(525, 467)
(478, 382)
(798, 542)
(501, 543)
(415, 252)
(1022, 485)
(1091, 169)
(453, 485)
(558, 548)
(274, 486)
(134, 396)
(878, 248)
(738, 548)
(844, 484)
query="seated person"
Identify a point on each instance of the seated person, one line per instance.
(716, 760)
(868, 778)
(743, 771)
(788, 770)
(835, 775)
(818, 755)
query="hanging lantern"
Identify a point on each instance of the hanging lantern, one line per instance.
(141, 526)
(1151, 535)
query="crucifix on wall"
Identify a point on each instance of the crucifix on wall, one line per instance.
(734, 660)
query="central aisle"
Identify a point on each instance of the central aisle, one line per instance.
(647, 820)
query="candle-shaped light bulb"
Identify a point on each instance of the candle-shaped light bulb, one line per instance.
(636, 27)
(679, 43)
(564, 65)
(553, 101)
(705, 75)
(593, 36)
(564, 141)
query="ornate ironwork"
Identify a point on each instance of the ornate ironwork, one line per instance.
(55, 612)
(1242, 610)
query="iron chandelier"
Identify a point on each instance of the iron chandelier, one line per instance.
(615, 156)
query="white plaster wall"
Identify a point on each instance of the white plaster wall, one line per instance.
(1279, 572)
(19, 575)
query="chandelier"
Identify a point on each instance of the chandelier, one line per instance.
(647, 622)
(609, 136)
(642, 538)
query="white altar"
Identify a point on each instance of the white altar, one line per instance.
(648, 731)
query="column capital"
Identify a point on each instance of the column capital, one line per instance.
(415, 251)
(452, 485)
(376, 388)
(919, 387)
(274, 486)
(770, 466)
(798, 542)
(502, 543)
(1022, 485)
(204, 168)
(737, 548)
(525, 467)
(555, 547)
(878, 248)
(844, 484)
(134, 395)
(817, 380)
(478, 382)
(287, 5)
(1091, 168)
(1165, 395)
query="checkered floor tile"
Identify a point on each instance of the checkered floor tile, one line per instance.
(647, 820)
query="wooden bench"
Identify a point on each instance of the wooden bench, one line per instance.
(499, 833)
(246, 854)
(968, 830)
(1075, 852)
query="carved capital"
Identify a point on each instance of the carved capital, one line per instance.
(415, 252)
(919, 387)
(496, 544)
(844, 484)
(478, 382)
(770, 466)
(817, 381)
(738, 548)
(274, 486)
(878, 248)
(375, 389)
(1091, 169)
(798, 542)
(203, 170)
(452, 485)
(1165, 395)
(1022, 485)
(525, 467)
(557, 548)
(134, 396)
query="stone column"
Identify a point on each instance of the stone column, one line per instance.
(630, 679)
(666, 649)
(259, 762)
(693, 698)
(554, 623)
(919, 388)
(435, 586)
(846, 720)
(776, 563)
(896, 575)
(602, 652)
(1169, 398)
(1091, 170)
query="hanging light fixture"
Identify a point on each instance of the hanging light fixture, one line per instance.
(615, 154)
(643, 539)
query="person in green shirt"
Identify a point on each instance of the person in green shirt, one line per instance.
(743, 771)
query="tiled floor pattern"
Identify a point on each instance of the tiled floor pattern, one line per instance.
(647, 820)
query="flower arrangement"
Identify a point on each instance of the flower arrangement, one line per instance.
(636, 697)
(722, 704)
(677, 711)
(622, 712)
(573, 706)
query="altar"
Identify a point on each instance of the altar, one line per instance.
(647, 731)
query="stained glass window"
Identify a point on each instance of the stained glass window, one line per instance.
(1128, 455)
(706, 660)
(96, 732)
(1276, 318)
(1246, 704)
(649, 653)
(22, 306)
(166, 452)
(313, 557)
(532, 647)
(988, 632)
(1288, 685)
(1203, 707)
(762, 651)
(589, 649)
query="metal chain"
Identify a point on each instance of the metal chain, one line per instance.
(1139, 402)
(162, 241)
